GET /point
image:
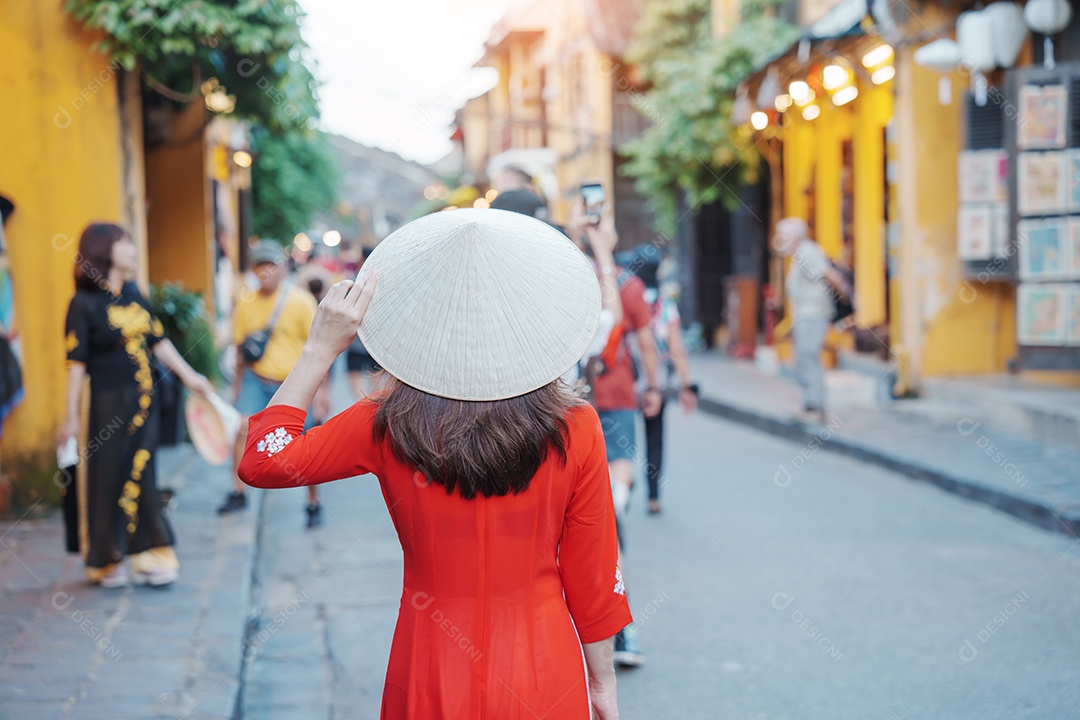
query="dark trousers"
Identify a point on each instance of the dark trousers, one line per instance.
(654, 451)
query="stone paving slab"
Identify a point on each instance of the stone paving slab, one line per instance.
(954, 448)
(69, 650)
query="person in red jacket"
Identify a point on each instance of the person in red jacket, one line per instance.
(494, 474)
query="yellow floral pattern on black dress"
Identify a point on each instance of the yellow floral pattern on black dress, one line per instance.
(72, 345)
(129, 498)
(134, 323)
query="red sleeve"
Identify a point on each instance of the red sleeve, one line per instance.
(588, 549)
(280, 454)
(636, 312)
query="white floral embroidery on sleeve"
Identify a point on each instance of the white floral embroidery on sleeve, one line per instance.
(274, 441)
(620, 588)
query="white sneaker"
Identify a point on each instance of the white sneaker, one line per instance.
(117, 578)
(156, 578)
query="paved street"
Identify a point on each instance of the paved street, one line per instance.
(72, 651)
(849, 593)
(844, 591)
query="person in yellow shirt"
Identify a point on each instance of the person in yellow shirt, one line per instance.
(256, 382)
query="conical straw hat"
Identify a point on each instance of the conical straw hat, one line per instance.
(212, 424)
(479, 304)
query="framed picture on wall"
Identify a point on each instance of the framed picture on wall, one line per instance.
(974, 233)
(1071, 255)
(1041, 245)
(1041, 121)
(1073, 323)
(999, 229)
(1072, 180)
(1041, 314)
(983, 176)
(1041, 185)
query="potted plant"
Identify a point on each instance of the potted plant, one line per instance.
(183, 315)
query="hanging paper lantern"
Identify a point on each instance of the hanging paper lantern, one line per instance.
(1047, 17)
(941, 55)
(975, 35)
(1009, 31)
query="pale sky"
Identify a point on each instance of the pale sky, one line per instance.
(393, 73)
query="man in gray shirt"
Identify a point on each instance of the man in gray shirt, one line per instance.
(812, 283)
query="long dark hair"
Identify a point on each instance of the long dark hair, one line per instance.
(491, 448)
(95, 254)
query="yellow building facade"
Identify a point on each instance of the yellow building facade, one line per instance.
(877, 178)
(71, 155)
(554, 91)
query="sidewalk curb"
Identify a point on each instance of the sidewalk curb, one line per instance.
(252, 602)
(1030, 511)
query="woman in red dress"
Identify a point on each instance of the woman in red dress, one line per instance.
(494, 474)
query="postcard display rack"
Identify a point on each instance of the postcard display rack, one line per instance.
(1036, 236)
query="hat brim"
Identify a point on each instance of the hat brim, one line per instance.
(479, 305)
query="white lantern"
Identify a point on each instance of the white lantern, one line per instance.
(941, 55)
(1048, 17)
(974, 34)
(1009, 31)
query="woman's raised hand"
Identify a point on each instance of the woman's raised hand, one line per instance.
(340, 313)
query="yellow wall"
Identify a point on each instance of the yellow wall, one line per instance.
(973, 333)
(800, 140)
(579, 123)
(179, 218)
(61, 162)
(584, 147)
(943, 325)
(872, 112)
(833, 128)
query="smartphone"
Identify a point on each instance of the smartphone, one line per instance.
(593, 196)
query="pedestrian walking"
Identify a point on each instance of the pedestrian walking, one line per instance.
(666, 327)
(812, 285)
(613, 381)
(270, 326)
(493, 472)
(320, 411)
(112, 337)
(358, 361)
(518, 193)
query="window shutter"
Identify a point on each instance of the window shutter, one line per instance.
(984, 127)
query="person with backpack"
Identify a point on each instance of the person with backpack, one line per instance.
(612, 377)
(666, 327)
(815, 288)
(271, 323)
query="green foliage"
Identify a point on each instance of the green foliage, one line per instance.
(295, 177)
(183, 314)
(692, 148)
(252, 47)
(669, 30)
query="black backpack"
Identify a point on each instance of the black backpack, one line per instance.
(843, 302)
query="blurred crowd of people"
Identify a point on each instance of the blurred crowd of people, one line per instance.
(636, 365)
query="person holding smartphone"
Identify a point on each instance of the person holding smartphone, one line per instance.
(614, 393)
